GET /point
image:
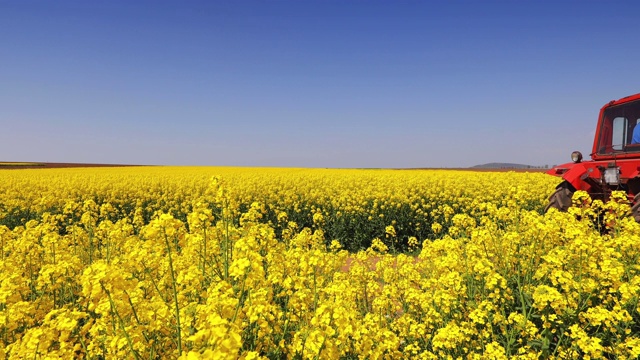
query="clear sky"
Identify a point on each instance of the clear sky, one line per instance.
(311, 83)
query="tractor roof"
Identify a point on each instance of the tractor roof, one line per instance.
(624, 100)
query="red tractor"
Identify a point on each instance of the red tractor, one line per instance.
(615, 159)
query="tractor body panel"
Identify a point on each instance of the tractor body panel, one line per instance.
(589, 176)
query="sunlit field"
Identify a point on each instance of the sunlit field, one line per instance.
(206, 262)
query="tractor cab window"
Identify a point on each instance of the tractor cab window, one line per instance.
(620, 125)
(617, 129)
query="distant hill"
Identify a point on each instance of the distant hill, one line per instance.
(505, 166)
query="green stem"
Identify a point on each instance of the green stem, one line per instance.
(84, 347)
(315, 290)
(120, 322)
(90, 245)
(226, 246)
(175, 293)
(240, 303)
(155, 285)
(558, 344)
(204, 253)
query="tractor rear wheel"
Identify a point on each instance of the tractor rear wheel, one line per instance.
(635, 209)
(561, 198)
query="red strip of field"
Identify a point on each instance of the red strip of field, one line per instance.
(49, 165)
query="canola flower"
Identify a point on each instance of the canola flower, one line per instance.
(247, 263)
(352, 206)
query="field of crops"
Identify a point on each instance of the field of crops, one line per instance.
(204, 262)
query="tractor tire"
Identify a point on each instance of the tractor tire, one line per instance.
(635, 209)
(561, 198)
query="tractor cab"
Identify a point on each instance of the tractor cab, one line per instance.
(617, 126)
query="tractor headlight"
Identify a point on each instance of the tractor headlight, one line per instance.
(576, 156)
(612, 175)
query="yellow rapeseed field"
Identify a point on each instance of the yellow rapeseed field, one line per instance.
(226, 263)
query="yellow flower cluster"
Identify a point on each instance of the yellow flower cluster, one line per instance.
(246, 263)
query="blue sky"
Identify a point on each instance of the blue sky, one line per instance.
(311, 83)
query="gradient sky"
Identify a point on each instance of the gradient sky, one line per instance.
(311, 83)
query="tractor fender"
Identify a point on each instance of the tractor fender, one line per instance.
(575, 176)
